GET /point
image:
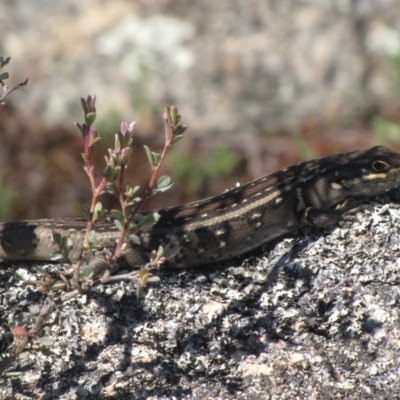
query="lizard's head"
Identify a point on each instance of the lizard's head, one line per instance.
(368, 173)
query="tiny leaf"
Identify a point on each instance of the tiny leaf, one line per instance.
(135, 239)
(143, 276)
(170, 251)
(110, 173)
(95, 141)
(152, 157)
(181, 130)
(90, 118)
(164, 181)
(98, 211)
(92, 237)
(133, 201)
(118, 224)
(176, 139)
(57, 237)
(161, 189)
(118, 215)
(148, 219)
(110, 189)
(160, 252)
(149, 155)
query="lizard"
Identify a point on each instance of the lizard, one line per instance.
(232, 223)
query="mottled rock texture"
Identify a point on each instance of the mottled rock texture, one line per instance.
(316, 316)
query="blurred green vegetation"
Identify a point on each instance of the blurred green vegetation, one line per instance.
(139, 88)
(196, 173)
(108, 126)
(8, 198)
(386, 133)
(305, 150)
(394, 62)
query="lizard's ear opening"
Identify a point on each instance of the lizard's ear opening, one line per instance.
(380, 166)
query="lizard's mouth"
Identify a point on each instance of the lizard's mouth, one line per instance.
(377, 183)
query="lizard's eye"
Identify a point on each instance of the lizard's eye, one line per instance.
(380, 166)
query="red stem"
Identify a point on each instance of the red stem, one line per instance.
(144, 198)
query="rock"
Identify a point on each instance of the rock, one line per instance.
(313, 316)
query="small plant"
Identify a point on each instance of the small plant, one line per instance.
(126, 219)
(95, 265)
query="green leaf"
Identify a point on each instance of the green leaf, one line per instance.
(143, 276)
(118, 215)
(92, 237)
(135, 239)
(176, 139)
(57, 237)
(147, 220)
(110, 173)
(181, 130)
(156, 156)
(134, 201)
(160, 252)
(95, 141)
(132, 225)
(164, 181)
(149, 155)
(152, 157)
(118, 224)
(173, 115)
(110, 189)
(161, 189)
(170, 251)
(83, 128)
(130, 190)
(66, 242)
(90, 118)
(98, 211)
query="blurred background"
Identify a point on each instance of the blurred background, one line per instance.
(260, 83)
